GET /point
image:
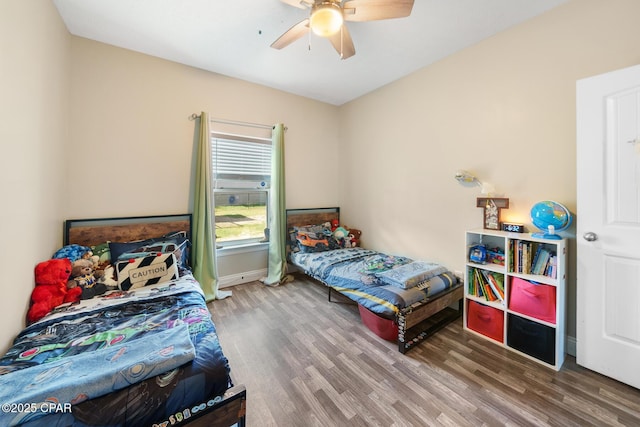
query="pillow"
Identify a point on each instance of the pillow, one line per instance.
(116, 249)
(179, 238)
(307, 238)
(145, 271)
(410, 275)
(177, 247)
(315, 230)
(180, 251)
(315, 238)
(308, 242)
(73, 252)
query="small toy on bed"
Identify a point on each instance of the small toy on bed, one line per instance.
(341, 234)
(354, 237)
(51, 290)
(85, 277)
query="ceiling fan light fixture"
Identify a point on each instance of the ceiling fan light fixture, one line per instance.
(326, 19)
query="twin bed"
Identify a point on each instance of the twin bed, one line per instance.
(399, 299)
(147, 356)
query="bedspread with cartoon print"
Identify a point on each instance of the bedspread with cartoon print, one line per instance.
(363, 276)
(128, 358)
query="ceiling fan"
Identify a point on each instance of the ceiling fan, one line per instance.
(327, 19)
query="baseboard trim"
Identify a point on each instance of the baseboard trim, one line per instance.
(239, 278)
(571, 346)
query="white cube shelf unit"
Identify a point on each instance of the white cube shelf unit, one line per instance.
(515, 293)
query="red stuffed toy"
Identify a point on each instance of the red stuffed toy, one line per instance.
(51, 288)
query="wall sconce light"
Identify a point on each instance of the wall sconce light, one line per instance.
(467, 179)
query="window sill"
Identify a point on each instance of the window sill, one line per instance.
(242, 249)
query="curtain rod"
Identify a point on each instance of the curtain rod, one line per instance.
(233, 122)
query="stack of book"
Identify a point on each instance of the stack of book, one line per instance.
(532, 258)
(486, 284)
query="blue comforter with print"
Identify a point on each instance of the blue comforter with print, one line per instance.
(127, 358)
(359, 274)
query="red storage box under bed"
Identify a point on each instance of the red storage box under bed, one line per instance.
(384, 328)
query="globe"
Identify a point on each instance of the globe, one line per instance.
(550, 217)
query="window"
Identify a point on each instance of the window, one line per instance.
(241, 177)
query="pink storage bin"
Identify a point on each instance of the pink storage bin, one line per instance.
(533, 299)
(486, 320)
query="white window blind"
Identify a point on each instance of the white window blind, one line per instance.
(237, 158)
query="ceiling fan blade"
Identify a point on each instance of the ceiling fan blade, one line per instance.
(343, 43)
(373, 10)
(292, 34)
(302, 4)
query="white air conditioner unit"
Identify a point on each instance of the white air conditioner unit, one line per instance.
(221, 184)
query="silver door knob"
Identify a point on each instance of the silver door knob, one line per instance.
(590, 236)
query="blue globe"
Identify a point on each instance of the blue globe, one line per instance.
(550, 217)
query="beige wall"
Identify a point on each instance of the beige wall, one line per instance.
(34, 83)
(132, 143)
(504, 109)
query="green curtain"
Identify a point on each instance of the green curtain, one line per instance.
(277, 215)
(203, 251)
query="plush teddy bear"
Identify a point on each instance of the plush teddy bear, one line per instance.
(354, 236)
(85, 277)
(51, 290)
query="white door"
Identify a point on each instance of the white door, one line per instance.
(608, 224)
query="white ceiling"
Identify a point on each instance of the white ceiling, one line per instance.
(232, 37)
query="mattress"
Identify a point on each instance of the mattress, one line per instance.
(129, 358)
(349, 272)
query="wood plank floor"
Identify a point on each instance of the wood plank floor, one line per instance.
(309, 362)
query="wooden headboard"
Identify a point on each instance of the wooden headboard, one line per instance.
(90, 232)
(313, 216)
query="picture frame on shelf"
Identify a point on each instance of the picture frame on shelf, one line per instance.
(492, 207)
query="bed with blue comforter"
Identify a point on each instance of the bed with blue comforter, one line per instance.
(375, 280)
(395, 294)
(129, 358)
(147, 355)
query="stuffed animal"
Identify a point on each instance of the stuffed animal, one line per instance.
(341, 235)
(354, 236)
(51, 290)
(85, 277)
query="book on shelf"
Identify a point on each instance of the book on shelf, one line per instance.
(524, 251)
(486, 284)
(551, 267)
(496, 284)
(541, 261)
(532, 258)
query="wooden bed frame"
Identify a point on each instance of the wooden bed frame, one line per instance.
(231, 410)
(416, 322)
